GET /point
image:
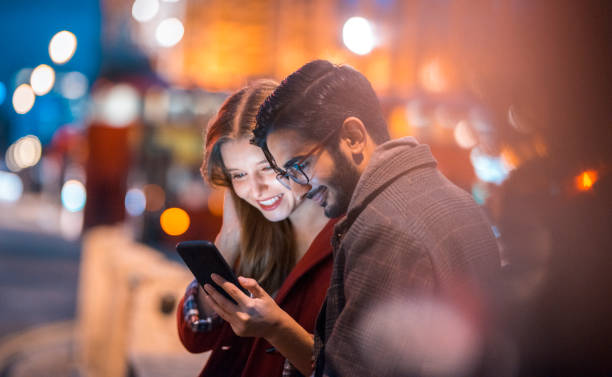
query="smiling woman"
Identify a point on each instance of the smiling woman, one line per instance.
(278, 242)
(254, 181)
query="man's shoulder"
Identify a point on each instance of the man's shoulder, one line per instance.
(415, 202)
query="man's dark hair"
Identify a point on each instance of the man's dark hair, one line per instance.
(316, 99)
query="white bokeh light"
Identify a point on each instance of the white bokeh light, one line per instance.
(27, 151)
(464, 136)
(74, 85)
(135, 202)
(9, 159)
(145, 10)
(23, 99)
(42, 79)
(73, 195)
(117, 106)
(358, 36)
(169, 32)
(11, 187)
(62, 47)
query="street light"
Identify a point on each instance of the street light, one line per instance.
(358, 36)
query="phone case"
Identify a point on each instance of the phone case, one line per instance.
(203, 258)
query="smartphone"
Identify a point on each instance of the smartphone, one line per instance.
(203, 258)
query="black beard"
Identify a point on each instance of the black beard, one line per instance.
(342, 183)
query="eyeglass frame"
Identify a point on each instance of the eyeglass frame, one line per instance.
(282, 174)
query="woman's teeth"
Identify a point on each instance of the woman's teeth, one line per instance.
(271, 201)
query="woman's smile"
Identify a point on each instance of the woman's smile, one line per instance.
(270, 204)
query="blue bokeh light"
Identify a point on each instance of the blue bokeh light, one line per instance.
(2, 92)
(73, 195)
(135, 202)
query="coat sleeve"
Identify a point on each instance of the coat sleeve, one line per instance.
(196, 342)
(380, 269)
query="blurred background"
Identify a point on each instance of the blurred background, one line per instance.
(102, 107)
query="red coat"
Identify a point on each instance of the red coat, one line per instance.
(301, 295)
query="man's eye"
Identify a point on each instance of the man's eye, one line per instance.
(302, 165)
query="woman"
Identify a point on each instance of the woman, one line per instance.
(279, 240)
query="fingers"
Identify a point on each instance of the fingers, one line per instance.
(218, 303)
(231, 289)
(252, 286)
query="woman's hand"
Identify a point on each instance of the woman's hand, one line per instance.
(256, 316)
(260, 316)
(228, 238)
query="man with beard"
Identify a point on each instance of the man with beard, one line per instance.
(408, 233)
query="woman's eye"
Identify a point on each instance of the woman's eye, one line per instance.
(237, 176)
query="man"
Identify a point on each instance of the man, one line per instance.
(408, 231)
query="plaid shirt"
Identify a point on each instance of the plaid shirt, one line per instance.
(191, 313)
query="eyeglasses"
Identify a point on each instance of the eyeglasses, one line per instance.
(295, 170)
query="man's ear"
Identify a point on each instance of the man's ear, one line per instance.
(353, 135)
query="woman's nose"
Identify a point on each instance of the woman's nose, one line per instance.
(258, 185)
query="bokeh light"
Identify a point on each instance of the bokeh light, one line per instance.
(27, 151)
(398, 123)
(9, 159)
(73, 195)
(490, 169)
(145, 10)
(464, 136)
(62, 47)
(436, 338)
(11, 187)
(155, 197)
(135, 202)
(2, 92)
(585, 180)
(74, 85)
(432, 76)
(169, 32)
(174, 221)
(117, 106)
(42, 79)
(23, 99)
(358, 36)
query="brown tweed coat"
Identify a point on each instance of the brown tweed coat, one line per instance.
(408, 231)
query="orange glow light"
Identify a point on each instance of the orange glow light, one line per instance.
(398, 123)
(586, 180)
(174, 221)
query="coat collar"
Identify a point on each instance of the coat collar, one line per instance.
(389, 160)
(319, 250)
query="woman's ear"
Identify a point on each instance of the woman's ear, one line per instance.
(353, 135)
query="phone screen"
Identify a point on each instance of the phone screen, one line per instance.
(203, 258)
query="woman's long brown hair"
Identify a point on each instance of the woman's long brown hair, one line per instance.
(267, 249)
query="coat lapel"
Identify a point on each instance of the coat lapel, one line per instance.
(319, 250)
